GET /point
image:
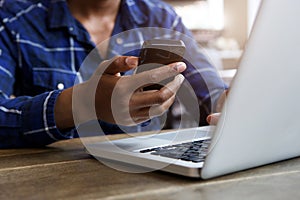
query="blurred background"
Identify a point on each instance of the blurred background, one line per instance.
(222, 27)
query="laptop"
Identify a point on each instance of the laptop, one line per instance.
(259, 124)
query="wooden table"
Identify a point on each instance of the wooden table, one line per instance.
(64, 171)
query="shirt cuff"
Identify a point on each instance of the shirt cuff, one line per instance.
(38, 120)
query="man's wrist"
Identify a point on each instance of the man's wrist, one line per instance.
(63, 110)
(221, 101)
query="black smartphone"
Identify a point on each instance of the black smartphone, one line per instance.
(159, 52)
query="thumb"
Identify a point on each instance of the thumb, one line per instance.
(119, 64)
(116, 65)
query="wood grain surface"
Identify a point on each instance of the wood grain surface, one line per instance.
(65, 171)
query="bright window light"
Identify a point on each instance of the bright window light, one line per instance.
(202, 14)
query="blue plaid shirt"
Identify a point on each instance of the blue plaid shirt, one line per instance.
(42, 47)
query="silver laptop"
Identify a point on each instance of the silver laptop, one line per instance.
(260, 120)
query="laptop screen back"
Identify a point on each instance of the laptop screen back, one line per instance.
(260, 122)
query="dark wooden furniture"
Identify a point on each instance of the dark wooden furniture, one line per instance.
(64, 171)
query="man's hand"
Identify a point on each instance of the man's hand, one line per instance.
(118, 99)
(213, 119)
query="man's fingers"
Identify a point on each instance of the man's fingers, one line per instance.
(174, 85)
(147, 113)
(149, 104)
(158, 110)
(150, 98)
(213, 119)
(159, 74)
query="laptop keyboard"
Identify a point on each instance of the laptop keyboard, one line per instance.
(194, 151)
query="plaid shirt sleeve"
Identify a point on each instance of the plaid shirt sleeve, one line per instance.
(29, 121)
(24, 121)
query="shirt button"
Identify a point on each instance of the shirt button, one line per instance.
(71, 28)
(119, 41)
(60, 86)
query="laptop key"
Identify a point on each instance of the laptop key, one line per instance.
(189, 151)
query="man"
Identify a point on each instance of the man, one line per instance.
(43, 44)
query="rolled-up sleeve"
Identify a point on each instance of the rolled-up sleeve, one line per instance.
(29, 121)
